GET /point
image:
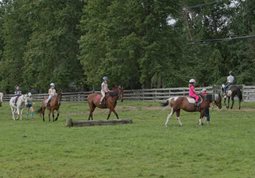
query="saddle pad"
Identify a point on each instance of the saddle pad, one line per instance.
(98, 97)
(229, 93)
(191, 100)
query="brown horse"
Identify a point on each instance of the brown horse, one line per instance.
(54, 104)
(187, 104)
(110, 101)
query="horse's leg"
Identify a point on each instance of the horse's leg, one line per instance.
(92, 108)
(239, 103)
(21, 111)
(13, 113)
(115, 113)
(57, 115)
(201, 117)
(53, 115)
(169, 116)
(228, 103)
(232, 99)
(43, 112)
(18, 113)
(178, 117)
(225, 101)
(109, 114)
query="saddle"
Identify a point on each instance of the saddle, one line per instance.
(227, 90)
(193, 101)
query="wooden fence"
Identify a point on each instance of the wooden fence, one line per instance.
(144, 94)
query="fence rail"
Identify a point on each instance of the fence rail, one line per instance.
(144, 94)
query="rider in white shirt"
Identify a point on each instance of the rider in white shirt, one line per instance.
(51, 92)
(17, 93)
(230, 80)
(104, 88)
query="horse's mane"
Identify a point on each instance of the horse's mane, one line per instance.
(114, 91)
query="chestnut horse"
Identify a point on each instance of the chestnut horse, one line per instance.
(109, 102)
(54, 104)
(187, 104)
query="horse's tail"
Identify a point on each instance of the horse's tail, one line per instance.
(241, 96)
(165, 103)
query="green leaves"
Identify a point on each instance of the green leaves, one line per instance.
(75, 43)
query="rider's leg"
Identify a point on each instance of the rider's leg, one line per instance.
(48, 101)
(197, 99)
(16, 99)
(103, 95)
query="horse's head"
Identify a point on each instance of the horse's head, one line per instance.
(217, 100)
(119, 91)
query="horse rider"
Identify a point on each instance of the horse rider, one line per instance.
(230, 81)
(207, 112)
(17, 93)
(52, 92)
(30, 104)
(104, 88)
(192, 92)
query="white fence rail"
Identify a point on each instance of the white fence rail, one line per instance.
(144, 94)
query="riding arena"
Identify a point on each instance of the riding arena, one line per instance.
(143, 145)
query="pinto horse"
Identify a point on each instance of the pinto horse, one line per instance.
(17, 108)
(53, 105)
(188, 104)
(231, 93)
(109, 102)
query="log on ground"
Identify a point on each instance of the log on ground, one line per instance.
(82, 123)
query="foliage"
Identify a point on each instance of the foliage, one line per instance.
(136, 43)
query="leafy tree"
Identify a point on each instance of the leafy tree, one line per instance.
(15, 35)
(51, 53)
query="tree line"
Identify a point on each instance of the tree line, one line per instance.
(136, 43)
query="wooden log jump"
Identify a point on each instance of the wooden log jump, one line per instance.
(82, 123)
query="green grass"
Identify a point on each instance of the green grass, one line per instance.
(32, 148)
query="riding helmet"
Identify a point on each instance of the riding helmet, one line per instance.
(105, 78)
(192, 81)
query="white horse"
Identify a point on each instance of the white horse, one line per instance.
(1, 98)
(18, 108)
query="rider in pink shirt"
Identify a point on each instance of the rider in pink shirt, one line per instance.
(192, 92)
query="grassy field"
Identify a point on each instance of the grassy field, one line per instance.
(225, 148)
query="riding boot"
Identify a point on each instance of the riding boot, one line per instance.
(197, 105)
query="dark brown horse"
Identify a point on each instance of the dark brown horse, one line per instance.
(110, 101)
(231, 93)
(53, 105)
(187, 104)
